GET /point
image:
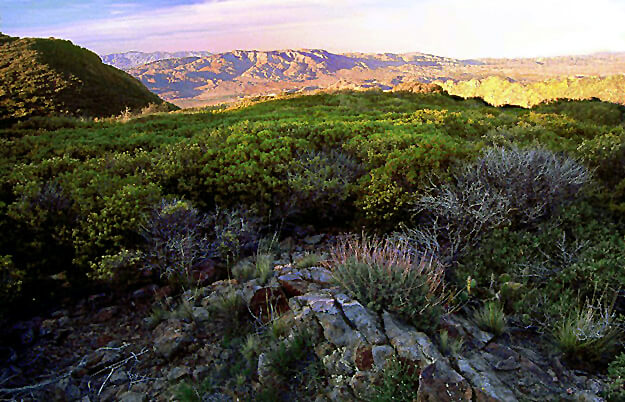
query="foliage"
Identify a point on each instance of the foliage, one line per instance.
(321, 184)
(491, 318)
(389, 275)
(504, 186)
(616, 373)
(51, 76)
(379, 154)
(400, 382)
(589, 332)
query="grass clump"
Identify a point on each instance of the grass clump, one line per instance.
(491, 317)
(588, 333)
(389, 275)
(308, 261)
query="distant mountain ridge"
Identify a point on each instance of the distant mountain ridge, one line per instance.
(226, 76)
(40, 77)
(127, 60)
(222, 77)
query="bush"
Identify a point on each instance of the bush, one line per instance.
(400, 382)
(504, 186)
(321, 185)
(389, 275)
(177, 239)
(11, 280)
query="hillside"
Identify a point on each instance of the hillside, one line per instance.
(49, 76)
(502, 91)
(357, 245)
(196, 81)
(127, 60)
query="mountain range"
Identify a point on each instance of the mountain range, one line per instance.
(132, 59)
(203, 80)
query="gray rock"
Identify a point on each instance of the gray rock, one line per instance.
(119, 377)
(200, 314)
(409, 343)
(381, 355)
(312, 240)
(365, 322)
(132, 396)
(485, 382)
(171, 338)
(321, 276)
(335, 329)
(177, 373)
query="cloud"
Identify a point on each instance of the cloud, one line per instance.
(458, 28)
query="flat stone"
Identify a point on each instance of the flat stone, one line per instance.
(177, 373)
(365, 322)
(410, 344)
(485, 382)
(293, 284)
(335, 329)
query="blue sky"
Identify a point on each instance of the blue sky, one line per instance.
(456, 28)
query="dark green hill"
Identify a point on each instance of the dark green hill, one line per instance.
(41, 77)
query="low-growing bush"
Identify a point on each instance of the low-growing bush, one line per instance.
(321, 185)
(504, 187)
(177, 239)
(389, 275)
(616, 374)
(400, 382)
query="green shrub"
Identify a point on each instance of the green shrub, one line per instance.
(321, 185)
(400, 382)
(389, 275)
(616, 374)
(11, 280)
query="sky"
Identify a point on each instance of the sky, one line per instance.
(453, 28)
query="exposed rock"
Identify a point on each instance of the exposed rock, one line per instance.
(381, 355)
(119, 377)
(132, 396)
(364, 321)
(200, 314)
(170, 338)
(486, 383)
(410, 345)
(293, 284)
(106, 314)
(177, 373)
(439, 382)
(313, 240)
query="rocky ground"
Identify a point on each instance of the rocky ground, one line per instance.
(296, 336)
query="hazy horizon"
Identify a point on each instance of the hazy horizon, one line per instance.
(451, 28)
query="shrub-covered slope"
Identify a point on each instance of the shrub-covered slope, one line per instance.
(515, 213)
(41, 77)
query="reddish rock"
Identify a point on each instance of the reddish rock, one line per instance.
(439, 382)
(293, 284)
(267, 301)
(363, 358)
(106, 314)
